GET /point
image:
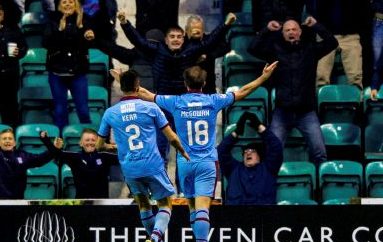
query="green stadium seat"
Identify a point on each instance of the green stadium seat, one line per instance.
(71, 135)
(339, 104)
(98, 98)
(98, 68)
(343, 141)
(337, 201)
(28, 136)
(4, 126)
(34, 22)
(373, 142)
(296, 181)
(373, 110)
(340, 179)
(374, 179)
(295, 148)
(32, 79)
(297, 202)
(42, 182)
(34, 61)
(256, 102)
(44, 116)
(34, 6)
(247, 6)
(68, 187)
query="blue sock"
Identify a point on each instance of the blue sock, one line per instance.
(192, 219)
(147, 219)
(161, 223)
(201, 225)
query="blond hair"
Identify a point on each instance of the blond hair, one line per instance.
(78, 10)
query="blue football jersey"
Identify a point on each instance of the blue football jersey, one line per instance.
(134, 124)
(195, 116)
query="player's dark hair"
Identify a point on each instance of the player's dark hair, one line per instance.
(128, 80)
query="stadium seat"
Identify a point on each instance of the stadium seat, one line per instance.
(247, 6)
(256, 102)
(34, 22)
(97, 98)
(340, 179)
(34, 6)
(33, 25)
(68, 187)
(295, 148)
(42, 182)
(339, 104)
(373, 142)
(34, 60)
(298, 202)
(71, 135)
(343, 141)
(296, 181)
(337, 201)
(32, 79)
(98, 68)
(35, 104)
(374, 179)
(373, 110)
(4, 126)
(28, 136)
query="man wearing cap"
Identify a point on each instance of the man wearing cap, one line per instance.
(253, 181)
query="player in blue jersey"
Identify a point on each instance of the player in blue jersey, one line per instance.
(195, 116)
(134, 124)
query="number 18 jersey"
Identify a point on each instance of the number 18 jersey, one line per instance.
(134, 124)
(195, 117)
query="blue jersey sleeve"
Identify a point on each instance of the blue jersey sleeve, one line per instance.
(104, 129)
(160, 118)
(166, 102)
(223, 100)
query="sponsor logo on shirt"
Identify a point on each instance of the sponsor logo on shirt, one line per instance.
(128, 108)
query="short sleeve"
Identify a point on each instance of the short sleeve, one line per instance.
(166, 102)
(104, 129)
(223, 100)
(160, 118)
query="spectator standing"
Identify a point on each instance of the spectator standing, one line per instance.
(13, 47)
(377, 45)
(67, 40)
(298, 52)
(195, 31)
(195, 116)
(134, 124)
(171, 58)
(346, 20)
(252, 181)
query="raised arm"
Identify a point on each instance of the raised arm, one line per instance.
(175, 141)
(146, 95)
(250, 87)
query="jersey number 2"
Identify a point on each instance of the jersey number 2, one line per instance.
(134, 144)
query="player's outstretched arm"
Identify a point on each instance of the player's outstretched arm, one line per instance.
(250, 87)
(146, 95)
(175, 141)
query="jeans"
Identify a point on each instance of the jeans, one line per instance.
(78, 87)
(377, 45)
(283, 121)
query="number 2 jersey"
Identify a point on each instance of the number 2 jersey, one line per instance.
(135, 123)
(195, 116)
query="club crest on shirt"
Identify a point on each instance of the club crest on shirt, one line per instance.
(99, 162)
(19, 160)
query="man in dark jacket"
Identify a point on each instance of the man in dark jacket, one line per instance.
(14, 165)
(253, 181)
(10, 34)
(298, 52)
(89, 167)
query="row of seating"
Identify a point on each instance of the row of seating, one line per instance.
(339, 181)
(336, 104)
(33, 70)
